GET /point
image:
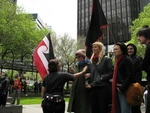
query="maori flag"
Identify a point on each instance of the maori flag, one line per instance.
(42, 54)
(98, 21)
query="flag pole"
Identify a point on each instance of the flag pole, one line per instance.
(42, 54)
(97, 23)
(107, 45)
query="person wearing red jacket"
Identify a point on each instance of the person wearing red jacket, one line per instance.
(17, 89)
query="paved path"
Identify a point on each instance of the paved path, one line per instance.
(32, 108)
(36, 108)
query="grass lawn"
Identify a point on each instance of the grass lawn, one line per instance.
(33, 100)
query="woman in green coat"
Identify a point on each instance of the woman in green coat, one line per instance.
(78, 102)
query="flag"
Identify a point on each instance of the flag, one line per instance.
(42, 54)
(98, 21)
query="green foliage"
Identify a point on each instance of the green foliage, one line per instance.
(20, 35)
(33, 100)
(18, 31)
(30, 100)
(143, 19)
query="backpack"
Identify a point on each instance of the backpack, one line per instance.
(134, 94)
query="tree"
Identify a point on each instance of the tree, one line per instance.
(19, 35)
(143, 19)
(64, 49)
(18, 31)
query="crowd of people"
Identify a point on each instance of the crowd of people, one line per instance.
(100, 84)
(14, 87)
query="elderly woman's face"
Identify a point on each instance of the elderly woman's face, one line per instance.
(96, 49)
(79, 58)
(117, 51)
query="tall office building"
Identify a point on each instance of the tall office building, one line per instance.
(15, 1)
(39, 22)
(119, 14)
(144, 3)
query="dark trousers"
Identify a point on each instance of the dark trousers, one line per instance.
(3, 99)
(99, 99)
(136, 109)
(53, 107)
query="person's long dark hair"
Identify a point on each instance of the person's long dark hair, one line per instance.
(134, 47)
(144, 31)
(123, 47)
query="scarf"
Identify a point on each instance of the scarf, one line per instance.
(114, 82)
(95, 59)
(86, 61)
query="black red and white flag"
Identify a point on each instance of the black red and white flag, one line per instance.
(42, 54)
(98, 21)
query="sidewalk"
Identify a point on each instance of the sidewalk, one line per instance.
(36, 108)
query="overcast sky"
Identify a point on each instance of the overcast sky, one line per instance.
(60, 14)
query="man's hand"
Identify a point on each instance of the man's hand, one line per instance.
(87, 75)
(88, 86)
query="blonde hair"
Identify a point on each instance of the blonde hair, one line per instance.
(102, 52)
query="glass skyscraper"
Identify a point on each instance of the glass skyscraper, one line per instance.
(119, 14)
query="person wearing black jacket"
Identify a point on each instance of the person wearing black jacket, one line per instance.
(144, 37)
(52, 88)
(99, 85)
(132, 50)
(4, 85)
(122, 79)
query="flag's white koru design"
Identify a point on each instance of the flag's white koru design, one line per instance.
(39, 57)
